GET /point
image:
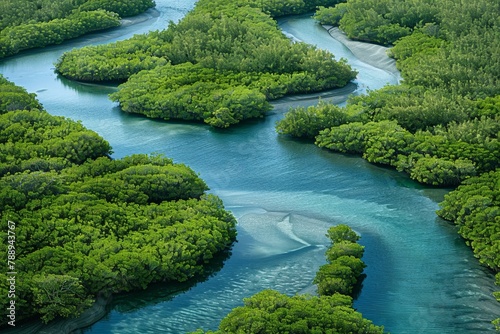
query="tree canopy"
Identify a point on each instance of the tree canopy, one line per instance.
(441, 124)
(220, 64)
(270, 312)
(475, 207)
(35, 24)
(87, 224)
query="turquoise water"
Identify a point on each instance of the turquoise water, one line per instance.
(421, 278)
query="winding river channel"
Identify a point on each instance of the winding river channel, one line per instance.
(421, 278)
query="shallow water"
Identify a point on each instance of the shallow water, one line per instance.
(421, 278)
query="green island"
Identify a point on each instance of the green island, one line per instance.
(29, 24)
(87, 225)
(221, 64)
(270, 312)
(441, 124)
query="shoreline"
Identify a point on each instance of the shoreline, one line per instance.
(335, 95)
(149, 14)
(372, 54)
(90, 316)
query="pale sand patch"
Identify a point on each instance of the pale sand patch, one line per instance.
(149, 14)
(373, 54)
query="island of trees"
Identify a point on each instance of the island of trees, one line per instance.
(270, 312)
(29, 24)
(88, 225)
(221, 64)
(441, 125)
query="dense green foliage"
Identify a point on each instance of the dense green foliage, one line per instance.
(442, 156)
(13, 97)
(442, 124)
(27, 11)
(379, 21)
(34, 24)
(331, 312)
(124, 8)
(220, 98)
(289, 7)
(192, 92)
(344, 268)
(453, 44)
(36, 141)
(220, 64)
(270, 312)
(475, 207)
(36, 35)
(307, 122)
(86, 224)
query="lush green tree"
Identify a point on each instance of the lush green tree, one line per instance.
(331, 15)
(272, 312)
(344, 248)
(308, 122)
(33, 140)
(442, 157)
(335, 278)
(341, 233)
(417, 42)
(437, 171)
(382, 22)
(59, 295)
(35, 35)
(24, 11)
(344, 268)
(13, 97)
(121, 7)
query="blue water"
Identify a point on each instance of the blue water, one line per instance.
(421, 278)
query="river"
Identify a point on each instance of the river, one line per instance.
(421, 278)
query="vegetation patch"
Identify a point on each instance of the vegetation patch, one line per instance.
(441, 125)
(220, 64)
(86, 224)
(36, 24)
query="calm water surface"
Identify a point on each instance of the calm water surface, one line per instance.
(421, 278)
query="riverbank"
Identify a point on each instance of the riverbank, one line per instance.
(373, 54)
(65, 326)
(151, 13)
(335, 96)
